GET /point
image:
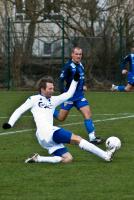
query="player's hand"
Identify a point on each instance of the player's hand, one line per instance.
(6, 126)
(76, 75)
(124, 71)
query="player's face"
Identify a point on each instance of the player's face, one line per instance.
(77, 55)
(48, 91)
(132, 50)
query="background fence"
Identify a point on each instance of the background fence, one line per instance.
(101, 57)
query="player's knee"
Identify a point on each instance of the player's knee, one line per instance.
(127, 89)
(61, 118)
(75, 139)
(86, 113)
(67, 159)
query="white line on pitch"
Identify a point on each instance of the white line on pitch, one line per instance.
(75, 123)
(4, 117)
(74, 115)
(12, 132)
(101, 120)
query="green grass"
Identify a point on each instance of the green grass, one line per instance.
(87, 177)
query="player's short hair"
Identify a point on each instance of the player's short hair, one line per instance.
(78, 48)
(43, 82)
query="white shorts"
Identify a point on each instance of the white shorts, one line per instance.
(48, 143)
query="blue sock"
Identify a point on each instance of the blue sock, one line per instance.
(89, 125)
(121, 88)
(56, 113)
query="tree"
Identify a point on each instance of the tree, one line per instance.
(96, 27)
(21, 33)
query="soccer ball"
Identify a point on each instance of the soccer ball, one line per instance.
(113, 142)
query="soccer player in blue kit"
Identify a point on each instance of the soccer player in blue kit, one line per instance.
(78, 100)
(129, 59)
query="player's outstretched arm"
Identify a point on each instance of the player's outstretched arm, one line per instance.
(17, 114)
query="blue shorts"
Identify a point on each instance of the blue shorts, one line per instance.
(61, 136)
(77, 103)
(130, 78)
(60, 152)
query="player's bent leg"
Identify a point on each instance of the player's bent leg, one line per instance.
(122, 88)
(128, 88)
(49, 159)
(36, 158)
(67, 158)
(63, 114)
(118, 88)
(64, 154)
(114, 88)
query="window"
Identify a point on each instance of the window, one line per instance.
(47, 48)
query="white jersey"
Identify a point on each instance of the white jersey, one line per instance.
(42, 109)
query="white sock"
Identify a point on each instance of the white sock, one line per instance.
(116, 87)
(92, 136)
(84, 144)
(49, 159)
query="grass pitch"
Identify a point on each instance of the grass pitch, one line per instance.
(87, 177)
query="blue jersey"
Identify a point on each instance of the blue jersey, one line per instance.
(129, 59)
(67, 75)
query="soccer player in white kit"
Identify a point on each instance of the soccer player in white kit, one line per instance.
(51, 137)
